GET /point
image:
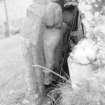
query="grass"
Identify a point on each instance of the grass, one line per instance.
(89, 92)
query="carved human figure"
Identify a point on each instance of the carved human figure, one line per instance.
(45, 37)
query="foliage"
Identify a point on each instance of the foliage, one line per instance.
(96, 5)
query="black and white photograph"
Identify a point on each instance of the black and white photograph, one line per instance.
(52, 52)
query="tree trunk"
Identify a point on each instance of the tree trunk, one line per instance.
(7, 32)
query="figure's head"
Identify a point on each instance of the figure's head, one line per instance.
(53, 15)
(70, 14)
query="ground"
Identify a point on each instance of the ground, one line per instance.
(12, 72)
